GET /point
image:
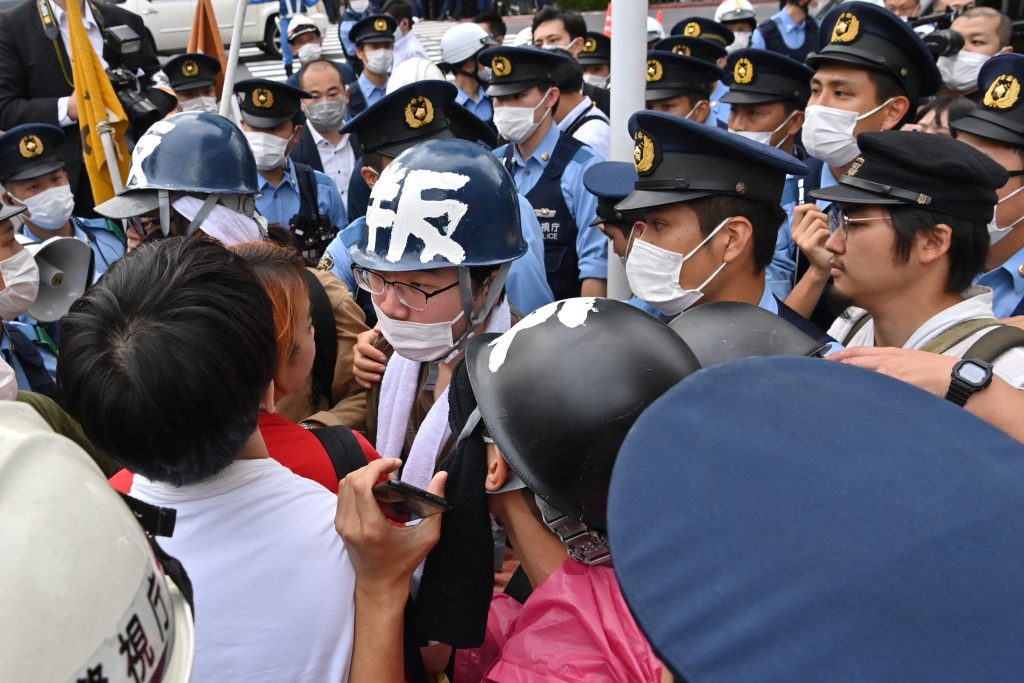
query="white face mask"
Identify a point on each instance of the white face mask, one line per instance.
(596, 80)
(50, 209)
(995, 233)
(398, 34)
(828, 133)
(21, 284)
(516, 124)
(653, 275)
(380, 61)
(359, 6)
(960, 72)
(8, 382)
(420, 342)
(310, 52)
(268, 149)
(765, 137)
(202, 103)
(741, 40)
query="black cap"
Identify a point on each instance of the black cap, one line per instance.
(758, 76)
(708, 29)
(679, 160)
(376, 28)
(515, 69)
(874, 38)
(465, 125)
(698, 48)
(611, 182)
(192, 70)
(7, 211)
(29, 151)
(671, 75)
(933, 172)
(597, 49)
(405, 117)
(998, 116)
(268, 104)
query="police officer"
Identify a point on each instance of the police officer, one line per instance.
(718, 36)
(768, 94)
(34, 177)
(193, 77)
(374, 38)
(403, 119)
(548, 166)
(791, 31)
(996, 127)
(681, 85)
(596, 59)
(740, 17)
(292, 193)
(460, 47)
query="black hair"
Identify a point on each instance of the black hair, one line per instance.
(968, 245)
(887, 87)
(165, 360)
(495, 21)
(573, 22)
(334, 65)
(763, 216)
(398, 10)
(374, 160)
(953, 107)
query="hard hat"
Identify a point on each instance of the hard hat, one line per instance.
(524, 38)
(735, 10)
(65, 271)
(413, 70)
(84, 596)
(655, 31)
(559, 391)
(462, 41)
(300, 24)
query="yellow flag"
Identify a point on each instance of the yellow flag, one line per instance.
(205, 38)
(97, 103)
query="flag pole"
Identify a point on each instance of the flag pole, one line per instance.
(236, 45)
(106, 132)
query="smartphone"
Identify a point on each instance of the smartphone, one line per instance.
(402, 502)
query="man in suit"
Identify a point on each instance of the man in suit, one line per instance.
(36, 83)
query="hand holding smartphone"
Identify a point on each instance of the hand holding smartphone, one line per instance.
(402, 502)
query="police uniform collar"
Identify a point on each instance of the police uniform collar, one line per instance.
(786, 22)
(544, 150)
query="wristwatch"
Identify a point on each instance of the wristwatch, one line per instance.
(969, 376)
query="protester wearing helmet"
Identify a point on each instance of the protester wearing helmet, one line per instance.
(739, 17)
(193, 76)
(460, 47)
(171, 190)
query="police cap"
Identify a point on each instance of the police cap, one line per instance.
(611, 182)
(707, 29)
(670, 75)
(192, 70)
(998, 116)
(29, 151)
(405, 117)
(376, 28)
(758, 76)
(268, 104)
(597, 49)
(701, 49)
(515, 69)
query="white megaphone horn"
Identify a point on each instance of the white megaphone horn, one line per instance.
(65, 271)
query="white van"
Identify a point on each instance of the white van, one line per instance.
(170, 22)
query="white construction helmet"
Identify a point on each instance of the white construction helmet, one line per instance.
(524, 38)
(413, 70)
(655, 31)
(735, 10)
(84, 597)
(462, 41)
(300, 24)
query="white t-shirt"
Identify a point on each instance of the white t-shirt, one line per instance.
(977, 303)
(595, 133)
(273, 583)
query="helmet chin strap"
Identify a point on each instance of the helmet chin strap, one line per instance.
(204, 211)
(466, 294)
(164, 198)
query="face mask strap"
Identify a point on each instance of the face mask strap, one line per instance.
(875, 110)
(693, 109)
(780, 127)
(711, 236)
(204, 211)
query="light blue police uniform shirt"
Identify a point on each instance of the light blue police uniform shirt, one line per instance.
(7, 350)
(371, 92)
(793, 34)
(106, 246)
(719, 109)
(279, 204)
(482, 107)
(1007, 283)
(527, 285)
(591, 244)
(781, 271)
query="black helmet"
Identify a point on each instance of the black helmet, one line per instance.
(727, 330)
(559, 391)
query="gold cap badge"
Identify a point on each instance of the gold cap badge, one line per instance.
(30, 146)
(743, 72)
(419, 112)
(683, 50)
(644, 152)
(262, 98)
(189, 69)
(590, 45)
(380, 25)
(1004, 93)
(692, 29)
(654, 70)
(501, 67)
(847, 28)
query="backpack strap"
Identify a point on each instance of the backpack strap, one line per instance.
(958, 333)
(31, 360)
(995, 343)
(325, 338)
(861, 322)
(342, 448)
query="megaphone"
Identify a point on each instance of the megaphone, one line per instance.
(65, 271)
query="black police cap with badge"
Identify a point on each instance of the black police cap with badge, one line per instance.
(405, 117)
(998, 116)
(706, 29)
(758, 76)
(192, 70)
(29, 151)
(704, 50)
(376, 28)
(671, 75)
(611, 182)
(873, 38)
(932, 172)
(515, 69)
(597, 49)
(268, 104)
(678, 160)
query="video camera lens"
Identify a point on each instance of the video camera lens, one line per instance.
(944, 42)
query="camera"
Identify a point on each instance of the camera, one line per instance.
(943, 41)
(121, 42)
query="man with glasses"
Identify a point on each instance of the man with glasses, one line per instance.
(909, 234)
